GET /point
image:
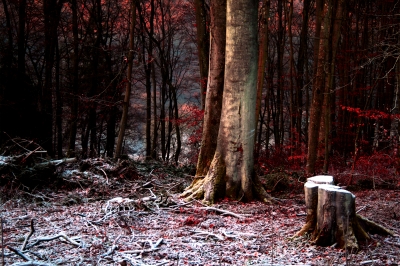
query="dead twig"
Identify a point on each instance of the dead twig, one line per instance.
(19, 253)
(200, 233)
(33, 263)
(224, 212)
(112, 249)
(140, 251)
(392, 243)
(28, 236)
(105, 175)
(153, 247)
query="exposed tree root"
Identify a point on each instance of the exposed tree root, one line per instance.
(212, 187)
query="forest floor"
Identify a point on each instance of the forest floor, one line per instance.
(135, 217)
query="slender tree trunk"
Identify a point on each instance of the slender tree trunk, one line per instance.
(125, 107)
(111, 123)
(8, 57)
(156, 120)
(337, 24)
(262, 58)
(202, 46)
(215, 86)
(21, 39)
(59, 105)
(278, 121)
(177, 126)
(162, 120)
(318, 90)
(75, 81)
(318, 21)
(293, 104)
(51, 10)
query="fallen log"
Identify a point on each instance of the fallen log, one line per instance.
(331, 216)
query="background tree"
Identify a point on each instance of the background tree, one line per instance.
(215, 86)
(129, 82)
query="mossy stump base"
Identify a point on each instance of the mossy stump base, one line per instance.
(331, 216)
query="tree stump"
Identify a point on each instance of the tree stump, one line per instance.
(331, 216)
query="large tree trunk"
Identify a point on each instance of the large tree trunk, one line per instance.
(331, 216)
(215, 87)
(231, 173)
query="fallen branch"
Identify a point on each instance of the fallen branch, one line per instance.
(153, 247)
(19, 253)
(199, 233)
(50, 238)
(33, 263)
(140, 251)
(112, 249)
(28, 236)
(57, 162)
(224, 212)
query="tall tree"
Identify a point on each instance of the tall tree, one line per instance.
(215, 86)
(231, 172)
(51, 11)
(318, 89)
(262, 58)
(73, 123)
(125, 107)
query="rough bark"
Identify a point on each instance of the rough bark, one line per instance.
(231, 173)
(337, 24)
(331, 217)
(318, 91)
(215, 86)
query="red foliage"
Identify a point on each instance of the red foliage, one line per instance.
(191, 221)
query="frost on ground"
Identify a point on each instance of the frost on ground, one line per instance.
(141, 221)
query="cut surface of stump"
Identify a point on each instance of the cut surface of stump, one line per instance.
(331, 217)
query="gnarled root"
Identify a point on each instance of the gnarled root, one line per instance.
(195, 190)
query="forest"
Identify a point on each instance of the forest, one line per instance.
(64, 77)
(172, 132)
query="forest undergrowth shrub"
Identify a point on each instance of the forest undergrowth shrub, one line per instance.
(281, 170)
(377, 170)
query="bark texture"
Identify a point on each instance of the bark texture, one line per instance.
(215, 86)
(231, 171)
(331, 216)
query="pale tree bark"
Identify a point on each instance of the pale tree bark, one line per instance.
(215, 86)
(128, 88)
(231, 173)
(202, 46)
(318, 90)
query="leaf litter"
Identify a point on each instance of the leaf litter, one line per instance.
(125, 213)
